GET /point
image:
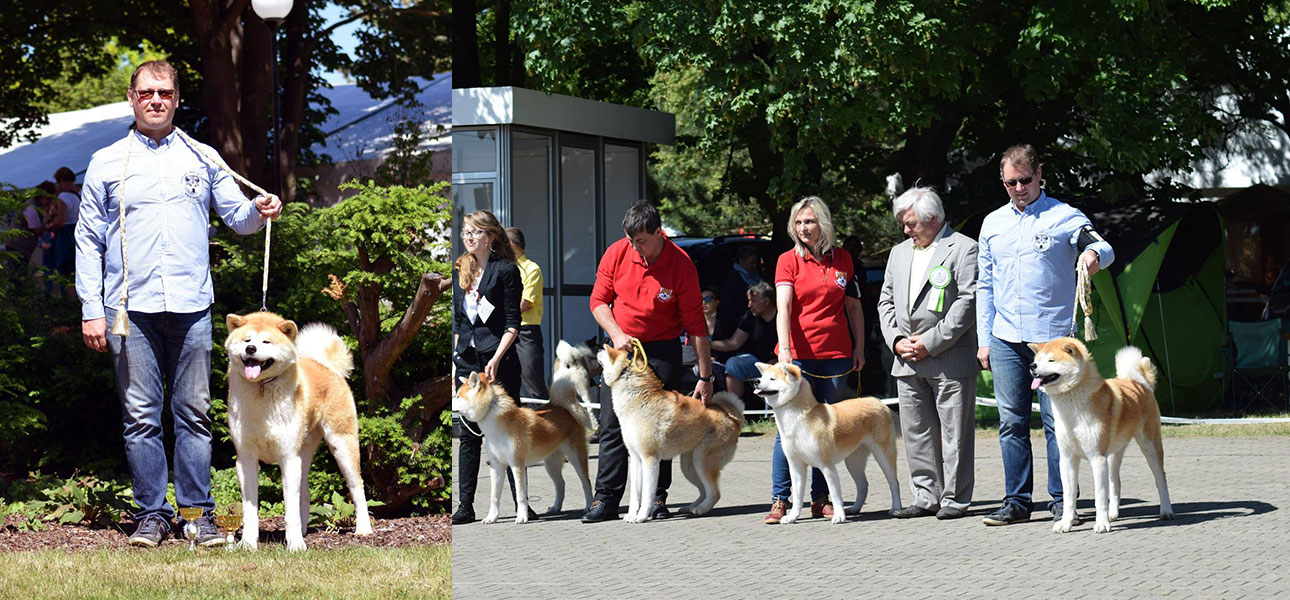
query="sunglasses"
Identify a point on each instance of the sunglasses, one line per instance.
(1022, 181)
(708, 298)
(147, 94)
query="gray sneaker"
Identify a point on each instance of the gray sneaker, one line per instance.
(1006, 515)
(150, 531)
(208, 534)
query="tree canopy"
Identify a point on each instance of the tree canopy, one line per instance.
(778, 100)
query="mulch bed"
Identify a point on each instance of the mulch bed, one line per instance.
(388, 533)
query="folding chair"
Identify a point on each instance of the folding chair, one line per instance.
(1260, 368)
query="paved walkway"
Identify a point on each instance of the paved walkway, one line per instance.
(1231, 539)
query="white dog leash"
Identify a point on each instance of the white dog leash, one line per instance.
(1084, 297)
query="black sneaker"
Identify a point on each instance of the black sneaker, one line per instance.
(1006, 515)
(150, 531)
(208, 534)
(600, 512)
(1057, 514)
(465, 514)
(660, 511)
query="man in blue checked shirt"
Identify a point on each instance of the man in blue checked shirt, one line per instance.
(1026, 293)
(167, 186)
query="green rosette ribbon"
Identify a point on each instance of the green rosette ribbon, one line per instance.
(940, 278)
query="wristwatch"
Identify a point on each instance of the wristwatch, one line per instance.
(707, 379)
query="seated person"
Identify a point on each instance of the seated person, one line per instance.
(734, 288)
(753, 341)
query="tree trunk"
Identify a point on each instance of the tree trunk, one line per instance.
(465, 45)
(213, 27)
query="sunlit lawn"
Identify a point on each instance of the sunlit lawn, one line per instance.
(174, 572)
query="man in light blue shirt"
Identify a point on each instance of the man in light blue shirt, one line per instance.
(1026, 293)
(152, 260)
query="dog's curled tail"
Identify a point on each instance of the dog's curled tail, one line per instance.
(321, 343)
(1131, 364)
(569, 402)
(730, 403)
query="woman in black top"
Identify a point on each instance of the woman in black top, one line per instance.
(486, 321)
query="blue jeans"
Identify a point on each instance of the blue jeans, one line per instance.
(825, 390)
(166, 356)
(1010, 363)
(743, 367)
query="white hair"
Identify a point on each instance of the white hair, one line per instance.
(926, 204)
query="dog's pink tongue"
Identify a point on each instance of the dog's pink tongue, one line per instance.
(1034, 385)
(252, 371)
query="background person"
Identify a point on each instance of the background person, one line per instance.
(753, 340)
(65, 240)
(1026, 293)
(168, 189)
(819, 326)
(745, 271)
(486, 322)
(646, 288)
(529, 343)
(927, 310)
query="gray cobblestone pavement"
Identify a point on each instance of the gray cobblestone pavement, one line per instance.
(1231, 539)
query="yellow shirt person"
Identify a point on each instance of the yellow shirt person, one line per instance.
(529, 344)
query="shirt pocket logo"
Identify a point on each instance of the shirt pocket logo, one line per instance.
(194, 185)
(664, 295)
(840, 278)
(1042, 241)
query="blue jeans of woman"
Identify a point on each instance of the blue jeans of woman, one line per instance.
(167, 356)
(1010, 363)
(826, 389)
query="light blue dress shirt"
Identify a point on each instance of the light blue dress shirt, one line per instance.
(169, 192)
(1026, 277)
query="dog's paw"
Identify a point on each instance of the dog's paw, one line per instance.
(789, 518)
(839, 517)
(1113, 515)
(1062, 526)
(522, 517)
(491, 518)
(853, 509)
(363, 528)
(1166, 515)
(295, 544)
(1102, 526)
(555, 510)
(248, 544)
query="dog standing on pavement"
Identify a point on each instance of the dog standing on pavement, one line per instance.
(515, 436)
(659, 424)
(1095, 418)
(820, 435)
(286, 393)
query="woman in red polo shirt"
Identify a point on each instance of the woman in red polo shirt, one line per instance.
(820, 326)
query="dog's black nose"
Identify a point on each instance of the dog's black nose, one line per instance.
(250, 351)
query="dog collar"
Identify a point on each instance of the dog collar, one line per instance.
(268, 381)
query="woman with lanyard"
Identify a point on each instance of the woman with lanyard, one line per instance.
(820, 327)
(486, 321)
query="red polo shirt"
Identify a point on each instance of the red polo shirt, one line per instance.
(817, 324)
(651, 302)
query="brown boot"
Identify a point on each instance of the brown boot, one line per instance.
(778, 509)
(823, 508)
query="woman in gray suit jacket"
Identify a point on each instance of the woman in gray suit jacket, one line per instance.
(486, 321)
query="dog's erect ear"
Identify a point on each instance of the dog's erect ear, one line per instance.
(793, 370)
(474, 379)
(761, 367)
(234, 321)
(463, 380)
(1034, 347)
(289, 329)
(1070, 349)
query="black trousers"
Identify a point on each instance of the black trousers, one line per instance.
(611, 476)
(532, 362)
(508, 375)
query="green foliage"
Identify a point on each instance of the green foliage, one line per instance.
(71, 93)
(79, 499)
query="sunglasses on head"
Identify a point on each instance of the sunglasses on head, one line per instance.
(1022, 181)
(147, 94)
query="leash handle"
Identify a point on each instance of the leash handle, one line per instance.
(638, 351)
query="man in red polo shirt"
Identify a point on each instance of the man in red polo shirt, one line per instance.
(646, 288)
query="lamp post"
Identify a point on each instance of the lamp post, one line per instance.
(273, 12)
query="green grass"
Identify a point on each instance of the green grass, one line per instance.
(416, 572)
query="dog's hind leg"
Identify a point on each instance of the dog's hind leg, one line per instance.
(577, 455)
(344, 448)
(855, 466)
(1113, 503)
(306, 461)
(633, 484)
(690, 468)
(885, 454)
(1154, 452)
(554, 464)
